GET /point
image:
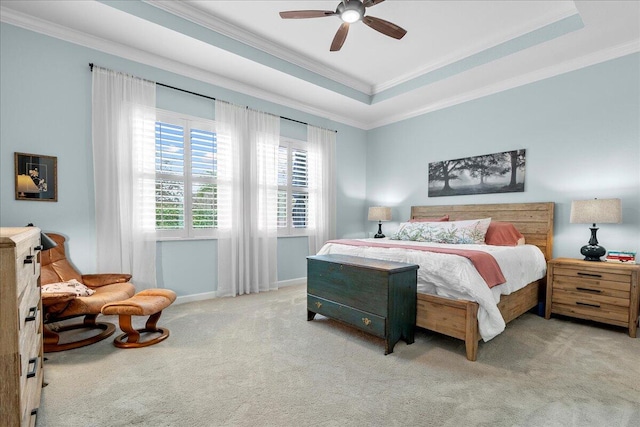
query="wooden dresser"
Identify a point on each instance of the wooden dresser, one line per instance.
(601, 291)
(378, 297)
(21, 373)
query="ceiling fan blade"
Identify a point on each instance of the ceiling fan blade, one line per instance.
(302, 14)
(369, 3)
(385, 27)
(340, 37)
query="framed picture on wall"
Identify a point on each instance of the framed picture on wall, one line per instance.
(36, 177)
(490, 173)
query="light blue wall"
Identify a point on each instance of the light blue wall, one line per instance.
(581, 131)
(46, 109)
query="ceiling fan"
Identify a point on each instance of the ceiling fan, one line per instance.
(350, 11)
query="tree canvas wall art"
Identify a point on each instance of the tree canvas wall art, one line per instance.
(489, 173)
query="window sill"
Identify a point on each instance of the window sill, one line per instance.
(178, 239)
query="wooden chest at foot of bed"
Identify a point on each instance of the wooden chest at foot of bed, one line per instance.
(375, 296)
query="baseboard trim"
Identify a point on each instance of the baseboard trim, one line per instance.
(195, 297)
(210, 295)
(292, 282)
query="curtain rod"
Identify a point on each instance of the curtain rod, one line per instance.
(212, 98)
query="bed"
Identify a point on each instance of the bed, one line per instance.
(457, 317)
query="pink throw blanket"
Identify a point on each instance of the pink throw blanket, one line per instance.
(485, 263)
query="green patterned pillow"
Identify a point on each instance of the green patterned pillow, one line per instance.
(455, 232)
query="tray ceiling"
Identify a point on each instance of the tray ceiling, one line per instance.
(454, 51)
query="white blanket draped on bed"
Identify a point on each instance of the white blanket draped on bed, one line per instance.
(454, 276)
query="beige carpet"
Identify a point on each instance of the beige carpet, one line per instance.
(255, 361)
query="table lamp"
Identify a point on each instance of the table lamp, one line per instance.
(379, 213)
(592, 212)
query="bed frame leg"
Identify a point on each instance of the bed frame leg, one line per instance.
(471, 335)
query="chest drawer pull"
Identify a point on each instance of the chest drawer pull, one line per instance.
(29, 259)
(595, 291)
(366, 321)
(580, 273)
(38, 248)
(33, 313)
(588, 305)
(32, 373)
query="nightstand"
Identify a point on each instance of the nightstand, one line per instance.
(604, 292)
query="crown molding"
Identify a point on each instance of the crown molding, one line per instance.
(545, 73)
(211, 22)
(47, 28)
(478, 48)
(50, 29)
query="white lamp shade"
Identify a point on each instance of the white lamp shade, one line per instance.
(26, 185)
(594, 211)
(379, 213)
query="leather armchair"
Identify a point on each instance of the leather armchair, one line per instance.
(55, 267)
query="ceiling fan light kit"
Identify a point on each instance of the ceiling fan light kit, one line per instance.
(350, 11)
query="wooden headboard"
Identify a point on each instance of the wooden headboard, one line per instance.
(533, 220)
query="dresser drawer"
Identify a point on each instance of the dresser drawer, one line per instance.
(30, 370)
(26, 272)
(362, 320)
(29, 339)
(31, 398)
(29, 316)
(348, 285)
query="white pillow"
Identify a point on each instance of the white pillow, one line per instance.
(70, 286)
(456, 232)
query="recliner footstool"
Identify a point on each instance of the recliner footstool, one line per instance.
(149, 302)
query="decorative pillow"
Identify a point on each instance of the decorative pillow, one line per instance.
(441, 219)
(503, 234)
(456, 232)
(71, 286)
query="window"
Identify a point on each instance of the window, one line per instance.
(293, 188)
(186, 176)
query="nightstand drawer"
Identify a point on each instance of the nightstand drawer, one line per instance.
(592, 275)
(585, 299)
(363, 320)
(585, 287)
(603, 313)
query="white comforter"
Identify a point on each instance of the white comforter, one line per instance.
(454, 276)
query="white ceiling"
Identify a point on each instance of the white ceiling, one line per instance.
(454, 51)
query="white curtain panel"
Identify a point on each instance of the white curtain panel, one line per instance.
(247, 199)
(123, 133)
(322, 186)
